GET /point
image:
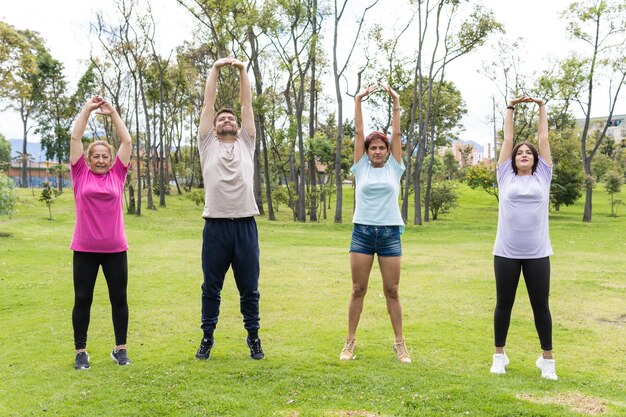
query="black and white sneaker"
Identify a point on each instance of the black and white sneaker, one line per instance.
(81, 362)
(256, 351)
(204, 351)
(120, 357)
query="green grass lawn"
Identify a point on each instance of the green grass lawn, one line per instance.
(448, 294)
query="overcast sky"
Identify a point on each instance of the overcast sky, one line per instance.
(64, 24)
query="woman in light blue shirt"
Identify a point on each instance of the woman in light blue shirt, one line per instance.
(377, 221)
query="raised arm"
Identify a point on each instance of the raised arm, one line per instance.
(210, 92)
(359, 135)
(126, 143)
(542, 131)
(245, 98)
(76, 139)
(509, 129)
(396, 139)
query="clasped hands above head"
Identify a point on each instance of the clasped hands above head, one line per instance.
(376, 87)
(527, 99)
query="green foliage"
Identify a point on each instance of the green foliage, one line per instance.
(567, 174)
(280, 195)
(197, 196)
(612, 185)
(48, 195)
(451, 166)
(5, 153)
(156, 189)
(482, 177)
(443, 198)
(600, 166)
(8, 196)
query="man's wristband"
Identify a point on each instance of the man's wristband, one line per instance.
(510, 107)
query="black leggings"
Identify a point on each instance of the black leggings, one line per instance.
(537, 278)
(115, 268)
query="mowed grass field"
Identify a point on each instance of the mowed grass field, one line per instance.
(447, 290)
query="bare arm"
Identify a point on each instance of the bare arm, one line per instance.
(76, 141)
(126, 143)
(396, 139)
(542, 132)
(245, 98)
(509, 130)
(359, 139)
(210, 92)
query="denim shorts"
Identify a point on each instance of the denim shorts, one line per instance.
(384, 240)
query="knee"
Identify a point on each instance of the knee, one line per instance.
(83, 299)
(391, 292)
(358, 291)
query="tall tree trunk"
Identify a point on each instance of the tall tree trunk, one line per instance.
(150, 204)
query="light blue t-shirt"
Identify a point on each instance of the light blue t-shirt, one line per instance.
(377, 191)
(523, 212)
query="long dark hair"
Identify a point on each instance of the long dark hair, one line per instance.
(532, 149)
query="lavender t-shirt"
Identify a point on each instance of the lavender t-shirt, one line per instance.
(99, 219)
(523, 212)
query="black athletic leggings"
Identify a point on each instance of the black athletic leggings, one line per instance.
(537, 278)
(115, 268)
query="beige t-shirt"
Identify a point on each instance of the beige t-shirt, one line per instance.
(228, 172)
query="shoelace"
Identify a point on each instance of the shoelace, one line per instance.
(401, 348)
(349, 346)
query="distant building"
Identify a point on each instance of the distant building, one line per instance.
(616, 130)
(38, 169)
(467, 152)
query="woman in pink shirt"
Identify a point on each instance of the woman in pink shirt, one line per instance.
(99, 238)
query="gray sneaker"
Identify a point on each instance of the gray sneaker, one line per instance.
(120, 357)
(81, 362)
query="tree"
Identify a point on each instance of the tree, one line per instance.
(443, 198)
(8, 196)
(60, 110)
(601, 26)
(482, 177)
(22, 78)
(5, 153)
(48, 196)
(338, 70)
(439, 20)
(567, 173)
(613, 185)
(451, 165)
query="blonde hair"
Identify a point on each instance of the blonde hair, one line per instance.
(96, 143)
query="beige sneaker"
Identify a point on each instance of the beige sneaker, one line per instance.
(347, 353)
(402, 354)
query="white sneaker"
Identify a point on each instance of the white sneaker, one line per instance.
(500, 361)
(548, 368)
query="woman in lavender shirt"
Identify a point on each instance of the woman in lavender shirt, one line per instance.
(99, 238)
(522, 241)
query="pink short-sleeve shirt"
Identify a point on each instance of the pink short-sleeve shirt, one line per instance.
(99, 215)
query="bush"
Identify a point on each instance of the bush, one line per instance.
(443, 198)
(482, 177)
(197, 196)
(8, 196)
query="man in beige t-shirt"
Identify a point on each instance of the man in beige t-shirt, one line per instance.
(230, 237)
